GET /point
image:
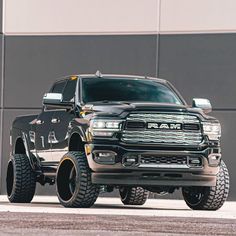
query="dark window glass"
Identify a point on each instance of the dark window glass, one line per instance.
(69, 91)
(59, 86)
(126, 89)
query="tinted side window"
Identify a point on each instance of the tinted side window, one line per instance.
(58, 87)
(69, 91)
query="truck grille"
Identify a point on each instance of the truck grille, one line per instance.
(148, 159)
(136, 130)
(176, 161)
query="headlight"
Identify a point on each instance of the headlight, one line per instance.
(212, 130)
(105, 127)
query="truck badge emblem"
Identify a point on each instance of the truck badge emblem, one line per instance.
(154, 125)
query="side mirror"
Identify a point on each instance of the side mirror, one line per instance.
(52, 98)
(202, 103)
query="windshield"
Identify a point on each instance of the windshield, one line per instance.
(126, 89)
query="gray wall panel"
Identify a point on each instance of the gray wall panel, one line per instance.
(1, 113)
(1, 65)
(34, 62)
(8, 117)
(1, 93)
(1, 16)
(201, 66)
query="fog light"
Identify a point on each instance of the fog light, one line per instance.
(105, 157)
(214, 159)
(195, 162)
(131, 160)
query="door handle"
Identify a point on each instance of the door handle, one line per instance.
(55, 120)
(39, 122)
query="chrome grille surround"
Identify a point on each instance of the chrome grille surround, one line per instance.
(159, 117)
(180, 137)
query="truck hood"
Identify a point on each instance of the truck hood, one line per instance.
(119, 108)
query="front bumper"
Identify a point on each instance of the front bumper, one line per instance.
(117, 173)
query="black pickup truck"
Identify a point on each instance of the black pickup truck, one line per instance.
(98, 133)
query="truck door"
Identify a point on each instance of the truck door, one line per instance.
(59, 134)
(42, 131)
(60, 122)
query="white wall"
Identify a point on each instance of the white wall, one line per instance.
(81, 16)
(198, 16)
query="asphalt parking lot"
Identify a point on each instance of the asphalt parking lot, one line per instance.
(108, 216)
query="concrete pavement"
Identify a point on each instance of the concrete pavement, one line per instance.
(113, 206)
(45, 216)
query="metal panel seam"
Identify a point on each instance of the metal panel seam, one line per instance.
(3, 15)
(158, 41)
(2, 103)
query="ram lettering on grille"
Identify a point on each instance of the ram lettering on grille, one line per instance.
(162, 128)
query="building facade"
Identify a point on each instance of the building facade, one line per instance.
(191, 43)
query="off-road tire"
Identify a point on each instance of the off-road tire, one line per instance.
(133, 195)
(21, 179)
(74, 185)
(209, 198)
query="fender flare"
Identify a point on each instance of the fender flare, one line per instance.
(31, 157)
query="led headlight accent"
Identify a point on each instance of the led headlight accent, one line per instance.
(212, 130)
(105, 127)
(112, 124)
(103, 133)
(99, 124)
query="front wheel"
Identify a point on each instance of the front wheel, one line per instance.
(133, 195)
(209, 198)
(74, 185)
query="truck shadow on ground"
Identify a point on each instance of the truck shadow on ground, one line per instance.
(95, 206)
(104, 206)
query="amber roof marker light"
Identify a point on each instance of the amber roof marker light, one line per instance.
(73, 77)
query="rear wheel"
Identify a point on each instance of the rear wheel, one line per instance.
(21, 179)
(133, 195)
(209, 198)
(74, 185)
